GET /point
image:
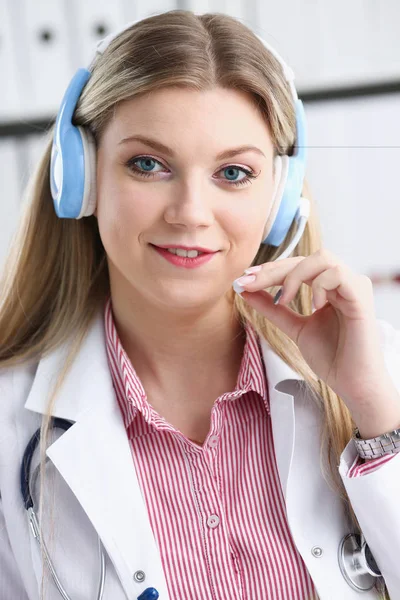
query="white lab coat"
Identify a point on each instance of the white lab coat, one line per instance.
(98, 491)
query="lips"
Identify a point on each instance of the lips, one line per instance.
(187, 248)
(185, 261)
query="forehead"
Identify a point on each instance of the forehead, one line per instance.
(219, 116)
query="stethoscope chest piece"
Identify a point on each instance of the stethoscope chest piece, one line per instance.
(357, 564)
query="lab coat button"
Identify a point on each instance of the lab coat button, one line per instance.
(139, 576)
(213, 521)
(316, 551)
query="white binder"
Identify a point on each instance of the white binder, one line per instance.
(241, 10)
(10, 72)
(141, 10)
(30, 150)
(43, 36)
(35, 147)
(9, 194)
(204, 6)
(91, 21)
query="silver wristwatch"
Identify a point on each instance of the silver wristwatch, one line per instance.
(388, 443)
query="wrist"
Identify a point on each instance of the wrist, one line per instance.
(380, 415)
(370, 431)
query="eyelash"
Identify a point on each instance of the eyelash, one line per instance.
(249, 174)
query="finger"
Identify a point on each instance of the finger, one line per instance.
(271, 274)
(306, 272)
(340, 286)
(286, 319)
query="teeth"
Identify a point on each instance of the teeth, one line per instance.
(186, 253)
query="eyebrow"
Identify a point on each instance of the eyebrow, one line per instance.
(166, 150)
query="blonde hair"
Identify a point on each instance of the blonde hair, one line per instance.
(56, 276)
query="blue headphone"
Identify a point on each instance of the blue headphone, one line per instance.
(73, 164)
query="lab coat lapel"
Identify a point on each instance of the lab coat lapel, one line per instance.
(282, 408)
(94, 455)
(94, 458)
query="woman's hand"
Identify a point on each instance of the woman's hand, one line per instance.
(340, 340)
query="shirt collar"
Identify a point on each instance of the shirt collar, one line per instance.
(129, 389)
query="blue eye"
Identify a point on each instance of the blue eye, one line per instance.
(149, 162)
(145, 160)
(232, 168)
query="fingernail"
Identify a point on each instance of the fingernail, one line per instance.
(246, 279)
(253, 269)
(278, 295)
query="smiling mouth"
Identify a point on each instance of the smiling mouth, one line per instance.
(183, 253)
(175, 249)
(188, 261)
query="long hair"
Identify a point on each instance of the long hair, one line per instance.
(56, 278)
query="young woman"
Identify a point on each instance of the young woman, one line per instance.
(200, 434)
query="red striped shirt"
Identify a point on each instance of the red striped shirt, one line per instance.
(217, 511)
(361, 467)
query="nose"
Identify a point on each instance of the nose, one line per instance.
(190, 204)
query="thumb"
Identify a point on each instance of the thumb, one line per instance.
(283, 317)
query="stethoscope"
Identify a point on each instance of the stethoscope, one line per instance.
(25, 482)
(356, 562)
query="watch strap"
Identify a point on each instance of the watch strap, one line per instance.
(387, 443)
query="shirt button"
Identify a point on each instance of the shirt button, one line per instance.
(213, 521)
(213, 441)
(316, 551)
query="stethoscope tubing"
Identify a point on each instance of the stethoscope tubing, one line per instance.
(33, 521)
(27, 459)
(36, 533)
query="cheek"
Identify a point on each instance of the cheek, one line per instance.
(121, 225)
(245, 222)
(123, 210)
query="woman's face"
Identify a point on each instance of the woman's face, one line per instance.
(172, 188)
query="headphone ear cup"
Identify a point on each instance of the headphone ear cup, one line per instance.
(89, 199)
(281, 167)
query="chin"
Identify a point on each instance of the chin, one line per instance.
(189, 298)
